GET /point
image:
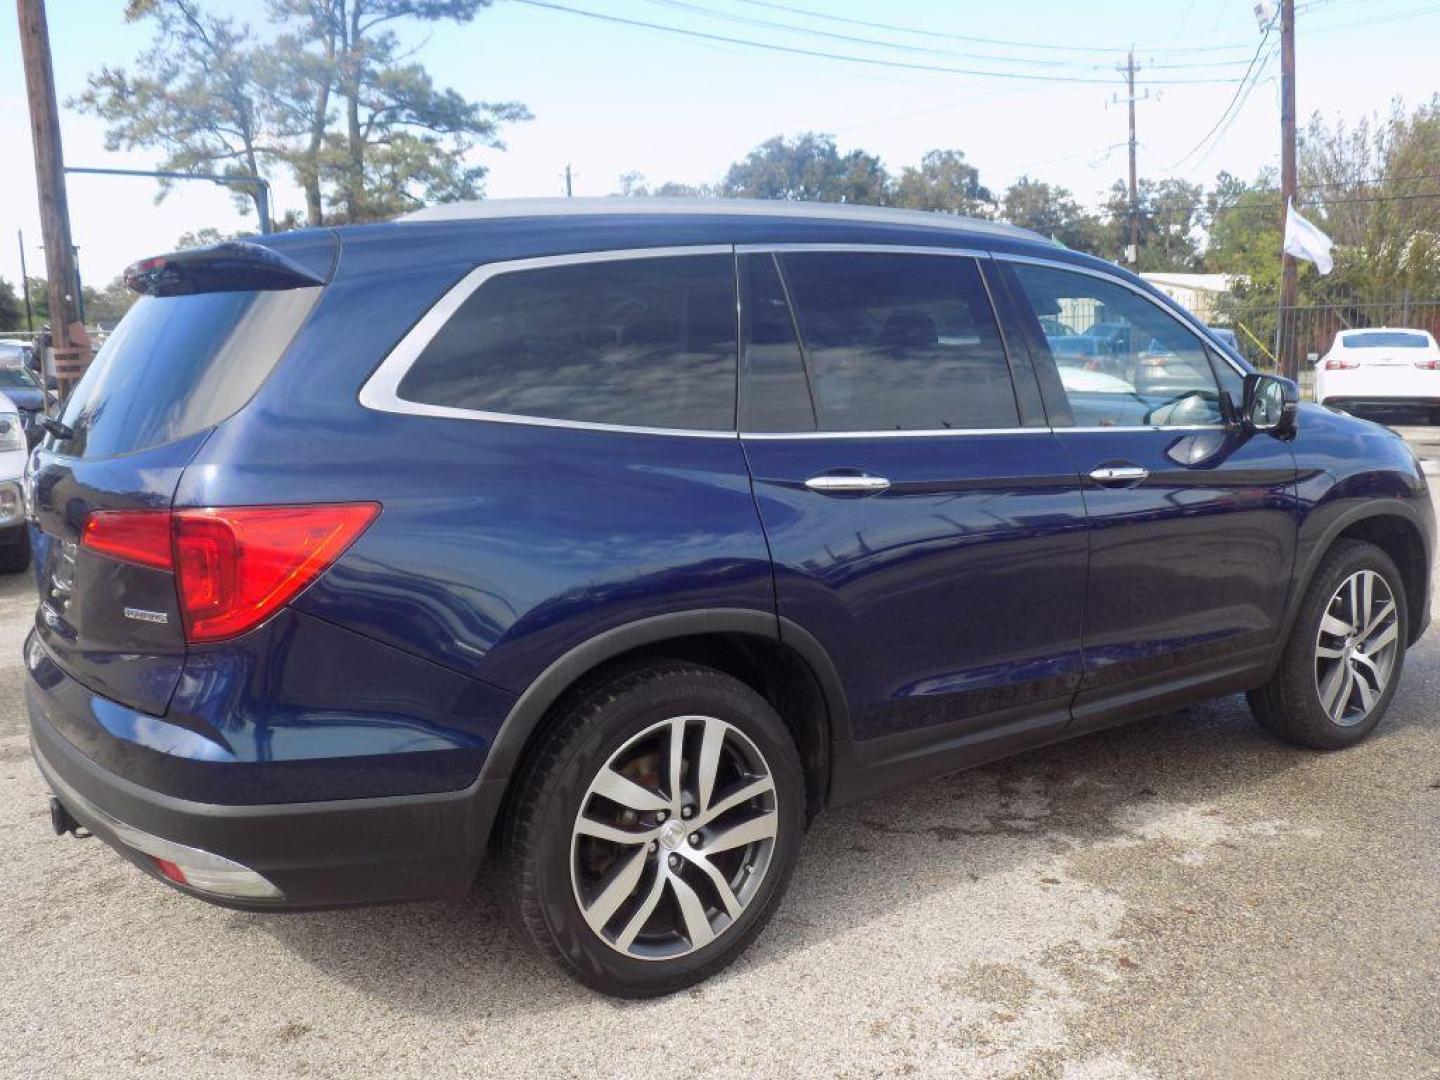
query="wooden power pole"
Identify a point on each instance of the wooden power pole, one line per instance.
(1289, 187)
(1134, 184)
(72, 346)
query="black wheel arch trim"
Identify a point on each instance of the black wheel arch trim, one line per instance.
(546, 689)
(1344, 519)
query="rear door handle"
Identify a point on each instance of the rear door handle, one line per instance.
(847, 484)
(1116, 475)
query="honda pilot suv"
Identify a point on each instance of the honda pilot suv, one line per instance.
(599, 547)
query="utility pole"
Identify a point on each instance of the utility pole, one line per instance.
(25, 283)
(569, 189)
(1129, 70)
(1289, 187)
(71, 345)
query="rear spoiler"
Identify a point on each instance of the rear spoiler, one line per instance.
(234, 266)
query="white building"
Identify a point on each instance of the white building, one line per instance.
(1194, 292)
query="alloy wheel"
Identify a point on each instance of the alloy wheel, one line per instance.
(674, 837)
(1356, 647)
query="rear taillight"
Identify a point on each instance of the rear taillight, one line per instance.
(1428, 365)
(234, 566)
(1340, 364)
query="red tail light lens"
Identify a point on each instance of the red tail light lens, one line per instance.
(1341, 365)
(235, 567)
(133, 536)
(1428, 365)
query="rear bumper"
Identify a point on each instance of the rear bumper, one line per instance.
(1379, 402)
(317, 855)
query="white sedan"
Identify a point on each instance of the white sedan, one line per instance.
(1381, 369)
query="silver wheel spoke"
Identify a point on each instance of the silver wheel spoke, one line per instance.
(1367, 693)
(1334, 682)
(1383, 639)
(697, 926)
(1327, 653)
(587, 826)
(762, 786)
(621, 884)
(1354, 601)
(1374, 624)
(1367, 599)
(627, 793)
(1334, 626)
(626, 937)
(677, 759)
(733, 907)
(747, 832)
(710, 745)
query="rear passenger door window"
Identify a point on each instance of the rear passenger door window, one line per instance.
(1123, 361)
(639, 342)
(899, 342)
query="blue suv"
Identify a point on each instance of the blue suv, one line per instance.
(615, 541)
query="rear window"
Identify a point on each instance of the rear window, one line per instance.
(636, 342)
(1386, 339)
(180, 364)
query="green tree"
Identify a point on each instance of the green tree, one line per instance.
(12, 308)
(193, 96)
(326, 91)
(1170, 214)
(1052, 211)
(106, 307)
(399, 141)
(946, 182)
(808, 167)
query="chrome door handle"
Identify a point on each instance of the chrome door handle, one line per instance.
(1119, 474)
(840, 484)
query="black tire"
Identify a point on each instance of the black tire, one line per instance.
(537, 844)
(1289, 705)
(15, 556)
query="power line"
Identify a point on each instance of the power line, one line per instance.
(725, 16)
(866, 60)
(971, 38)
(1233, 101)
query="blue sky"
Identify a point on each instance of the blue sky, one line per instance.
(610, 98)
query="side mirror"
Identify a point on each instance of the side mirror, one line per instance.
(1271, 404)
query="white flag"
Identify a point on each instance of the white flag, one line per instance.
(1305, 241)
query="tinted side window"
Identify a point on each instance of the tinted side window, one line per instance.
(180, 364)
(775, 395)
(899, 342)
(1123, 360)
(640, 342)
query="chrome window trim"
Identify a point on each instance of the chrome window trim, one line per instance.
(1184, 317)
(381, 390)
(894, 433)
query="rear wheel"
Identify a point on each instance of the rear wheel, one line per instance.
(1346, 650)
(655, 829)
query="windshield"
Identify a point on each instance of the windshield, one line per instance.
(1386, 339)
(17, 379)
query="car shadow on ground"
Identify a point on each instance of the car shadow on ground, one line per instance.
(462, 960)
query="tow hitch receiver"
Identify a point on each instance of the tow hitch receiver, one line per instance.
(62, 822)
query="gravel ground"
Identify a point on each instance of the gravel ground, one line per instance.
(1183, 897)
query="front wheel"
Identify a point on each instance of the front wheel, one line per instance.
(1346, 650)
(655, 828)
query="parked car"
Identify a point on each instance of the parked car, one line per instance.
(1226, 336)
(29, 400)
(493, 530)
(14, 537)
(1381, 369)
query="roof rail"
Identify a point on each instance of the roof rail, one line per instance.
(483, 209)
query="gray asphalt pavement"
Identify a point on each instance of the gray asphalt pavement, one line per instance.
(1183, 897)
